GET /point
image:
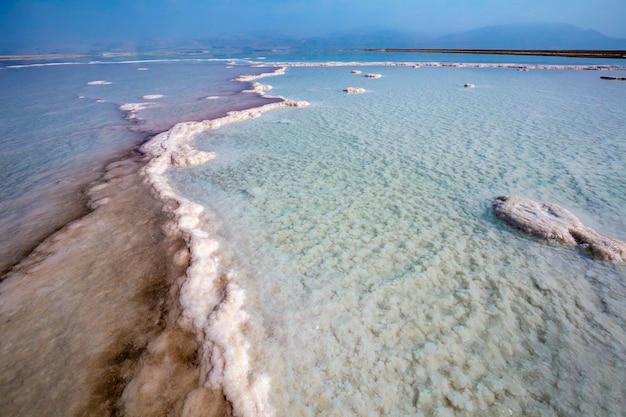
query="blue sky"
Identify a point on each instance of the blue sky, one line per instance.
(59, 21)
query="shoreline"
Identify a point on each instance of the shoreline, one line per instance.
(89, 315)
(569, 53)
(141, 355)
(211, 302)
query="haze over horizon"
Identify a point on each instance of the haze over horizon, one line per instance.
(66, 22)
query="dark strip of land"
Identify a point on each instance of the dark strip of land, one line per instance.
(614, 54)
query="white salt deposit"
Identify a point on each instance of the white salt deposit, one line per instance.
(99, 82)
(153, 96)
(211, 301)
(352, 245)
(354, 90)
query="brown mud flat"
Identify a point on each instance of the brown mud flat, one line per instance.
(90, 319)
(571, 53)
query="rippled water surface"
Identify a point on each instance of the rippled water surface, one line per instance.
(376, 280)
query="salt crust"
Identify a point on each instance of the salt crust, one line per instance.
(449, 64)
(99, 82)
(211, 302)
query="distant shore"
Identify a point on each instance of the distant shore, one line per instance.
(570, 53)
(419, 64)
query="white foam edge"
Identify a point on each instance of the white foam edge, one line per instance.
(216, 314)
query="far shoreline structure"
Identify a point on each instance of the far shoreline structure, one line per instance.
(565, 67)
(568, 53)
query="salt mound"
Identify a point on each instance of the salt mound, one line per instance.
(135, 107)
(153, 96)
(373, 75)
(99, 82)
(556, 225)
(354, 90)
(356, 71)
(469, 85)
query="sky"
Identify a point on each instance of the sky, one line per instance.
(65, 21)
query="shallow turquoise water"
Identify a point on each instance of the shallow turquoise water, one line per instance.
(376, 280)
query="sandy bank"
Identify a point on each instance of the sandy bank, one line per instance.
(88, 322)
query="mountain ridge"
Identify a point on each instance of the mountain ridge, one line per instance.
(526, 36)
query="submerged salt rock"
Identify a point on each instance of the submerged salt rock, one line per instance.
(556, 225)
(354, 90)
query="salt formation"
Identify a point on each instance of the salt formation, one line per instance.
(356, 72)
(133, 108)
(373, 75)
(99, 82)
(354, 90)
(469, 85)
(211, 301)
(556, 225)
(153, 96)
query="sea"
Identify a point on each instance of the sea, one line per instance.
(344, 256)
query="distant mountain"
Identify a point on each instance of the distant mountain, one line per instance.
(519, 36)
(372, 38)
(529, 36)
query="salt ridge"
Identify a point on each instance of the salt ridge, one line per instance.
(418, 64)
(211, 302)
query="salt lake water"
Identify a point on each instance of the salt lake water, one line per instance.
(375, 280)
(361, 271)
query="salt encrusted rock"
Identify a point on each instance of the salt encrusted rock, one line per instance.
(354, 90)
(373, 75)
(556, 225)
(356, 71)
(99, 82)
(299, 103)
(469, 85)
